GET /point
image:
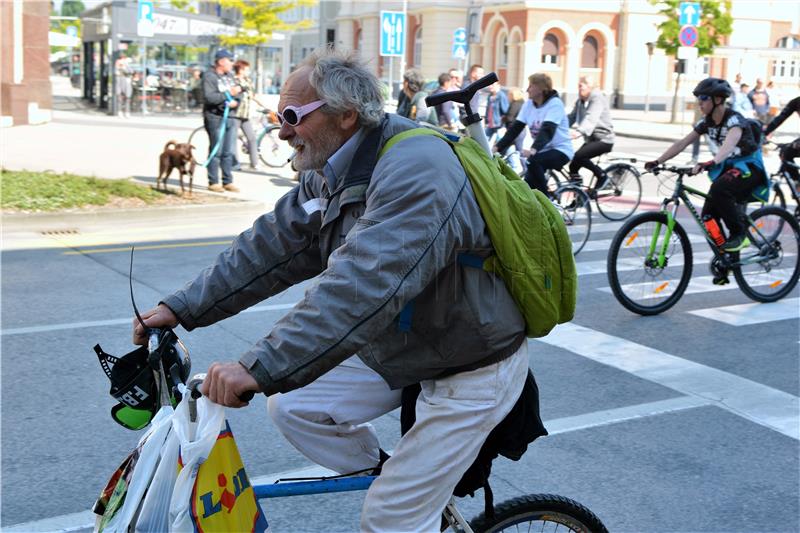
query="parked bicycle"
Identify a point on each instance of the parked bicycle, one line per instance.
(783, 178)
(650, 259)
(271, 150)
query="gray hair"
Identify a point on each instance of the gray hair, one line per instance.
(342, 79)
(414, 79)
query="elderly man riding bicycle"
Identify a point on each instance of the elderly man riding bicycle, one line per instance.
(381, 240)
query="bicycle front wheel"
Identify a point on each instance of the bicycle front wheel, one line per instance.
(576, 210)
(199, 139)
(768, 270)
(540, 513)
(620, 195)
(647, 271)
(272, 151)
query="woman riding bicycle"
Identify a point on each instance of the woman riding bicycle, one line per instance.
(736, 170)
(544, 114)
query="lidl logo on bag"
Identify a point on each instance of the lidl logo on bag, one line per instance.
(223, 499)
(227, 499)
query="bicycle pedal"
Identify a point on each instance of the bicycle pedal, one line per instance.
(723, 280)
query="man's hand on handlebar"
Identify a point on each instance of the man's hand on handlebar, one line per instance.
(160, 317)
(229, 384)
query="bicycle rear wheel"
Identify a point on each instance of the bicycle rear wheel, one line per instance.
(199, 139)
(620, 195)
(768, 270)
(272, 151)
(638, 281)
(540, 513)
(576, 210)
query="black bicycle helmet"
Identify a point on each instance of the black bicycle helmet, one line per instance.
(713, 87)
(133, 381)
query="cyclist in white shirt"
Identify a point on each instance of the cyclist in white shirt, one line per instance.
(545, 116)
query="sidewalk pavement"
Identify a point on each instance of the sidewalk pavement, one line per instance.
(86, 141)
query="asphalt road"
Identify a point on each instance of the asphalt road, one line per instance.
(658, 424)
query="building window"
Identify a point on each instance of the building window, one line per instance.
(788, 42)
(550, 47)
(502, 51)
(359, 40)
(590, 53)
(330, 37)
(417, 59)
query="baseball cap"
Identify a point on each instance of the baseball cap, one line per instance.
(223, 52)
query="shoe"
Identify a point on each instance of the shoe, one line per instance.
(252, 168)
(736, 243)
(720, 280)
(230, 187)
(575, 179)
(216, 187)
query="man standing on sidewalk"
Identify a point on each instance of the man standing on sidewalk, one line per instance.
(220, 90)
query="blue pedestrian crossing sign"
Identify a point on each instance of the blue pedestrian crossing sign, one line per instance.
(689, 13)
(460, 43)
(393, 33)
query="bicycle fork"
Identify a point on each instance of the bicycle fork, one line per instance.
(657, 254)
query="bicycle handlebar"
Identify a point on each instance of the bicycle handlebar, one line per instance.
(682, 171)
(462, 96)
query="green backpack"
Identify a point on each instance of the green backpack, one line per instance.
(533, 252)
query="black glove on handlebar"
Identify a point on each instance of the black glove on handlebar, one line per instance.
(650, 165)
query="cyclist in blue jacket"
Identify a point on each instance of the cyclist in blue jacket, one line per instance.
(737, 169)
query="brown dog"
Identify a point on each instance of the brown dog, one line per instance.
(176, 155)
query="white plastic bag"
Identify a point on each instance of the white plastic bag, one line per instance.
(154, 512)
(151, 445)
(196, 439)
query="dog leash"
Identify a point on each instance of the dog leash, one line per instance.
(221, 137)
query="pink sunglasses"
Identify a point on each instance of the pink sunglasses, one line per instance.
(292, 115)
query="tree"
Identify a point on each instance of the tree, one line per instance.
(716, 22)
(260, 18)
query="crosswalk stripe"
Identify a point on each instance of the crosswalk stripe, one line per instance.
(697, 285)
(599, 266)
(752, 313)
(758, 403)
(594, 245)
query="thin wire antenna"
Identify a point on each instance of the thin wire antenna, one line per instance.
(133, 302)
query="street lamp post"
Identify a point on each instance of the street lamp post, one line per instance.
(650, 47)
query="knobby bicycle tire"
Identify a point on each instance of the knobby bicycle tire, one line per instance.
(771, 272)
(627, 205)
(539, 509)
(626, 236)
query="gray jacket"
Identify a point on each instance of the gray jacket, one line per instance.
(593, 118)
(384, 239)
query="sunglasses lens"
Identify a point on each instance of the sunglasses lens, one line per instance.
(703, 97)
(290, 117)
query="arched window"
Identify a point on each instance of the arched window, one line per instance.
(502, 51)
(359, 40)
(787, 69)
(590, 53)
(550, 48)
(417, 59)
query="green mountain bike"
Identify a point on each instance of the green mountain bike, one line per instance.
(650, 259)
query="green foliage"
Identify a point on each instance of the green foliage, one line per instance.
(182, 5)
(715, 22)
(48, 191)
(260, 19)
(72, 8)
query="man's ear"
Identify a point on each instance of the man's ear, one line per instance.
(349, 119)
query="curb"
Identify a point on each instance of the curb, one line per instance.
(99, 215)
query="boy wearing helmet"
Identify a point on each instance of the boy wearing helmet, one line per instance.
(736, 170)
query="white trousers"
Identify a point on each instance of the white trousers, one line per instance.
(327, 422)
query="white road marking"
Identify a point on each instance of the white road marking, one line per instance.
(758, 403)
(600, 266)
(752, 313)
(605, 244)
(697, 285)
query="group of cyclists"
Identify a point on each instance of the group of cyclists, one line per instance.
(736, 170)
